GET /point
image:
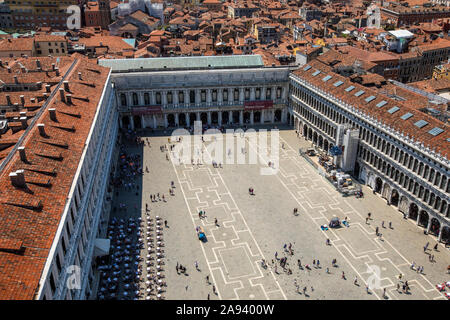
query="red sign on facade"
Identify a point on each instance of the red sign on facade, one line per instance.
(257, 105)
(146, 110)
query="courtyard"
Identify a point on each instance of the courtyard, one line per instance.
(243, 229)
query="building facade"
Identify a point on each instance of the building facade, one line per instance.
(408, 166)
(29, 14)
(240, 91)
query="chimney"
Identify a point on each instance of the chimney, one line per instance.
(32, 100)
(16, 80)
(23, 120)
(66, 85)
(1, 63)
(9, 69)
(79, 76)
(41, 128)
(53, 66)
(61, 94)
(69, 98)
(22, 154)
(45, 95)
(52, 113)
(8, 99)
(47, 88)
(22, 99)
(23, 69)
(38, 64)
(57, 71)
(18, 178)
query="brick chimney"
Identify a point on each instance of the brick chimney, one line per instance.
(22, 154)
(61, 94)
(22, 99)
(8, 99)
(41, 128)
(52, 113)
(23, 120)
(18, 178)
(66, 85)
(69, 98)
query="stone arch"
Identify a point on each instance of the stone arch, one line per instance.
(320, 142)
(423, 218)
(204, 118)
(246, 117)
(445, 236)
(435, 227)
(386, 190)
(378, 184)
(192, 118)
(215, 117)
(413, 211)
(403, 204)
(278, 115)
(394, 197)
(125, 122)
(225, 117)
(257, 117)
(235, 116)
(171, 120)
(182, 119)
(137, 122)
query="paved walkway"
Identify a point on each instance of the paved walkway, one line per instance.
(251, 228)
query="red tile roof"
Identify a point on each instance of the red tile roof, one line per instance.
(29, 217)
(407, 127)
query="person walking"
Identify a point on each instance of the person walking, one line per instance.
(355, 282)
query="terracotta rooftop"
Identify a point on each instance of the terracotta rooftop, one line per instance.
(29, 216)
(379, 107)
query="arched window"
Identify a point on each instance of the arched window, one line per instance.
(123, 99)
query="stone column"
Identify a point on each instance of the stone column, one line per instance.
(241, 118)
(153, 98)
(220, 96)
(429, 223)
(186, 97)
(209, 118)
(220, 118)
(198, 97)
(142, 122)
(198, 116)
(230, 117)
(131, 122)
(440, 232)
(154, 122)
(230, 96)
(283, 93)
(175, 99)
(273, 93)
(251, 117)
(284, 115)
(177, 123)
(262, 117)
(121, 122)
(166, 124)
(241, 95)
(252, 94)
(263, 93)
(208, 96)
(418, 216)
(164, 98)
(272, 119)
(188, 119)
